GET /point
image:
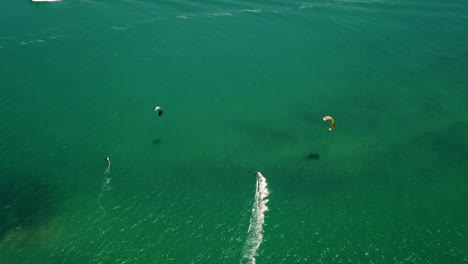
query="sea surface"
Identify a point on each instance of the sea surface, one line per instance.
(244, 86)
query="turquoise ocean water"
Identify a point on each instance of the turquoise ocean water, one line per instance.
(244, 86)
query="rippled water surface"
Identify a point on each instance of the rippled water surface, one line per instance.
(244, 86)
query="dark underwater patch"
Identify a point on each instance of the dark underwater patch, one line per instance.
(25, 201)
(313, 156)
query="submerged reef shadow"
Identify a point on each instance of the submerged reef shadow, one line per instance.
(25, 201)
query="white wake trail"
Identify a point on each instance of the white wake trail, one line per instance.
(107, 171)
(107, 178)
(255, 231)
(105, 186)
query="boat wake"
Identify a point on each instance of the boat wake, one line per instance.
(255, 231)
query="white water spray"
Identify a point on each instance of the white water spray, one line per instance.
(105, 186)
(255, 231)
(107, 178)
(107, 171)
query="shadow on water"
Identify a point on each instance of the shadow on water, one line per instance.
(156, 141)
(313, 156)
(25, 201)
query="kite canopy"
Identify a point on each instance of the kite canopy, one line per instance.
(332, 125)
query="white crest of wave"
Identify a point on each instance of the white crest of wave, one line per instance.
(251, 10)
(255, 231)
